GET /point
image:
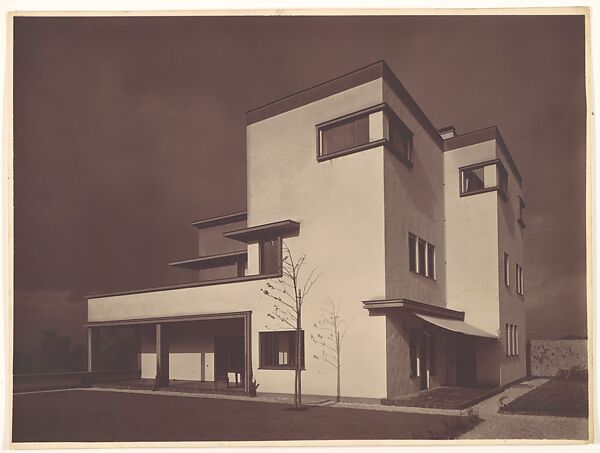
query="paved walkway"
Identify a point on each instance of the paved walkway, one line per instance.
(508, 426)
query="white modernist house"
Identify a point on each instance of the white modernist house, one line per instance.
(417, 233)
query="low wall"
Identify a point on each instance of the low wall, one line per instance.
(52, 381)
(549, 357)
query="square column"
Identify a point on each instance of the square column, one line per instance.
(162, 355)
(90, 349)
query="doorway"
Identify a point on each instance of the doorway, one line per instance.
(465, 361)
(229, 358)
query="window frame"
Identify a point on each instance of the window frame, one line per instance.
(278, 269)
(274, 334)
(393, 121)
(520, 280)
(502, 184)
(512, 340)
(429, 266)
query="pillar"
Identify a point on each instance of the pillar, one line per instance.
(162, 355)
(90, 348)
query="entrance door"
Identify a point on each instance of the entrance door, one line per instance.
(465, 361)
(229, 357)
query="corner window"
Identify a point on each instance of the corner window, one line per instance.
(421, 256)
(512, 340)
(278, 349)
(270, 256)
(506, 269)
(484, 177)
(362, 130)
(399, 137)
(519, 279)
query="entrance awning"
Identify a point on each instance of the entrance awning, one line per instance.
(455, 325)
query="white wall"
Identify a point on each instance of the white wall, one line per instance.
(472, 242)
(512, 305)
(339, 204)
(414, 202)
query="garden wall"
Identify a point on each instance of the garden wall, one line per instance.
(549, 357)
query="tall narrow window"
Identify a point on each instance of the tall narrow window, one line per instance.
(412, 252)
(270, 256)
(430, 261)
(400, 139)
(506, 269)
(412, 349)
(519, 279)
(422, 258)
(502, 180)
(512, 340)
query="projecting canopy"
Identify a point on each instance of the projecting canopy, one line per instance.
(455, 325)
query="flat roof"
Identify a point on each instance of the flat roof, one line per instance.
(207, 262)
(413, 306)
(221, 220)
(360, 76)
(265, 231)
(220, 281)
(480, 136)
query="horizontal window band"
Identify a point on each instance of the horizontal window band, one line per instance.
(352, 150)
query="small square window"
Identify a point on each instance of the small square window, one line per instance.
(278, 349)
(484, 177)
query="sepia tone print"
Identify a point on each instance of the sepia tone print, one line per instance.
(389, 244)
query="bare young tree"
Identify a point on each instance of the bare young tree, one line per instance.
(289, 293)
(332, 328)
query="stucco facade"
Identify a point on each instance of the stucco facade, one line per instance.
(349, 173)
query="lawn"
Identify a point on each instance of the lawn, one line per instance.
(558, 397)
(93, 416)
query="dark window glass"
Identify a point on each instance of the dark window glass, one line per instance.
(421, 257)
(278, 349)
(430, 261)
(412, 252)
(502, 180)
(472, 180)
(401, 139)
(412, 347)
(345, 135)
(270, 262)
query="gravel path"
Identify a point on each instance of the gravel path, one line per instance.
(508, 426)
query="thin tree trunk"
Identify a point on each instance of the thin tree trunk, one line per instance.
(298, 360)
(337, 353)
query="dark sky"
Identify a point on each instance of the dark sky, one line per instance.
(127, 129)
